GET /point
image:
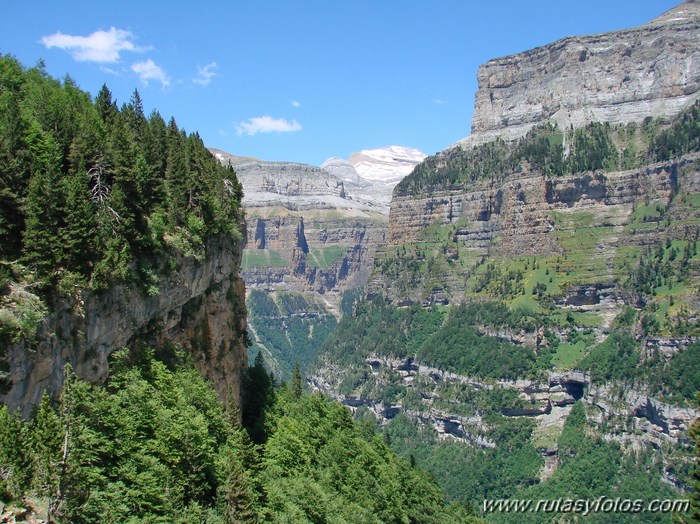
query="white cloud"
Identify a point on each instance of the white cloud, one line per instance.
(439, 101)
(205, 74)
(296, 104)
(109, 70)
(267, 124)
(148, 70)
(100, 46)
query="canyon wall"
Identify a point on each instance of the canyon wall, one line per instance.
(618, 77)
(198, 306)
(308, 231)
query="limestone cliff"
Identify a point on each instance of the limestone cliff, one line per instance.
(199, 306)
(558, 207)
(619, 81)
(309, 230)
(528, 214)
(618, 77)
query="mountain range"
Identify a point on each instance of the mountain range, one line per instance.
(518, 314)
(545, 262)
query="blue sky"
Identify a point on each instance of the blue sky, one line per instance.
(306, 80)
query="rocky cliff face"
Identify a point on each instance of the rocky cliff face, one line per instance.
(634, 419)
(474, 224)
(321, 254)
(310, 229)
(590, 217)
(199, 306)
(618, 77)
(519, 212)
(628, 76)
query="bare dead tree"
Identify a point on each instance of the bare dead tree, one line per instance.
(97, 175)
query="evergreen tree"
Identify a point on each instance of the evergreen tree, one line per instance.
(48, 439)
(176, 176)
(258, 395)
(135, 118)
(42, 242)
(15, 458)
(296, 381)
(78, 234)
(106, 108)
(235, 492)
(155, 151)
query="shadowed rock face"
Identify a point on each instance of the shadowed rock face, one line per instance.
(618, 77)
(200, 306)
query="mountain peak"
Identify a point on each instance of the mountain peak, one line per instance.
(387, 164)
(684, 12)
(618, 77)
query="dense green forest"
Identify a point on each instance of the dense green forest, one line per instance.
(155, 445)
(589, 468)
(93, 195)
(504, 455)
(290, 326)
(459, 342)
(91, 191)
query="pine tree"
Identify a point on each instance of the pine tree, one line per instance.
(296, 381)
(258, 395)
(15, 458)
(155, 151)
(235, 492)
(79, 234)
(42, 243)
(48, 436)
(176, 176)
(135, 118)
(106, 108)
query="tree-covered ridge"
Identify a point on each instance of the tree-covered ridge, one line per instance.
(469, 340)
(289, 327)
(551, 151)
(456, 342)
(591, 467)
(87, 188)
(155, 445)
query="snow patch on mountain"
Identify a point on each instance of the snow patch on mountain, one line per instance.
(342, 169)
(387, 164)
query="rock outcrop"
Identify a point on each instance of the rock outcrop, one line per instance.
(637, 420)
(315, 229)
(628, 76)
(528, 213)
(199, 306)
(618, 77)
